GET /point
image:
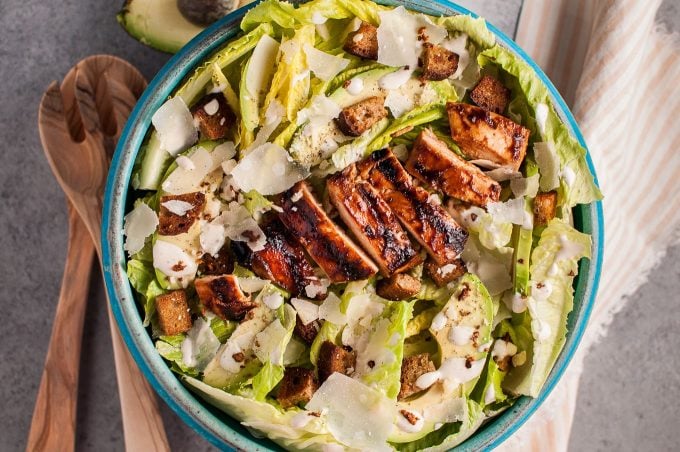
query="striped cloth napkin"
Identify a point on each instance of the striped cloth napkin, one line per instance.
(619, 71)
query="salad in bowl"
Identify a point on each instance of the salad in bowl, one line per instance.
(352, 227)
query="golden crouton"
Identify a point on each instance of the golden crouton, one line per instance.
(333, 358)
(412, 367)
(490, 94)
(297, 387)
(170, 223)
(444, 274)
(399, 286)
(545, 205)
(438, 63)
(363, 42)
(223, 296)
(173, 313)
(214, 116)
(358, 118)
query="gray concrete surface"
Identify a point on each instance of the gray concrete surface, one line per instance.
(39, 41)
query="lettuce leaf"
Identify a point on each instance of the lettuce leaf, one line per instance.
(475, 28)
(582, 189)
(142, 277)
(554, 263)
(266, 418)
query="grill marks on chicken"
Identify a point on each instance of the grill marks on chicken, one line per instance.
(371, 221)
(432, 162)
(324, 241)
(423, 217)
(282, 260)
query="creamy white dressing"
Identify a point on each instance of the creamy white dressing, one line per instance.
(211, 107)
(490, 395)
(502, 349)
(568, 176)
(568, 250)
(355, 86)
(461, 335)
(396, 79)
(185, 162)
(438, 322)
(405, 425)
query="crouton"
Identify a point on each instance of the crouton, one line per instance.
(438, 63)
(173, 313)
(223, 296)
(297, 387)
(490, 94)
(363, 42)
(220, 264)
(412, 367)
(333, 358)
(307, 332)
(169, 223)
(544, 207)
(213, 116)
(399, 286)
(358, 118)
(488, 136)
(444, 274)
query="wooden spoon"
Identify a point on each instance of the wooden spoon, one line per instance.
(79, 125)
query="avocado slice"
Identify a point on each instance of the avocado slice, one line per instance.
(157, 23)
(470, 308)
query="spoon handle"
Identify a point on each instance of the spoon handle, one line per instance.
(54, 417)
(142, 422)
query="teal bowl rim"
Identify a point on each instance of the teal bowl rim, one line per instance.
(217, 427)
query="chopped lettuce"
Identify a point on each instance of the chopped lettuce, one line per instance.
(554, 262)
(142, 276)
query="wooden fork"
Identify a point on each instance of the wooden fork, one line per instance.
(79, 125)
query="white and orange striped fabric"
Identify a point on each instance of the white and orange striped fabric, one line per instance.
(620, 73)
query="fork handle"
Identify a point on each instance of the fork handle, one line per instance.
(54, 417)
(142, 422)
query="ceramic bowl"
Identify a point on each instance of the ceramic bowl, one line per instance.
(217, 427)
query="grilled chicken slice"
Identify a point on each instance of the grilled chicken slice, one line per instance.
(486, 135)
(223, 296)
(325, 242)
(423, 217)
(282, 261)
(434, 163)
(371, 221)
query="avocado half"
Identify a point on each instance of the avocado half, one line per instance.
(159, 23)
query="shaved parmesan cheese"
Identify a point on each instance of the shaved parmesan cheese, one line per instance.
(398, 103)
(330, 310)
(493, 272)
(511, 211)
(183, 180)
(315, 288)
(458, 45)
(273, 300)
(398, 37)
(306, 310)
(211, 107)
(502, 174)
(237, 343)
(525, 186)
(548, 165)
(490, 395)
(320, 112)
(178, 207)
(212, 237)
(173, 261)
(140, 223)
(324, 65)
(175, 126)
(396, 79)
(260, 67)
(251, 284)
(568, 176)
(269, 342)
(185, 162)
(267, 169)
(541, 117)
(272, 118)
(240, 226)
(503, 349)
(356, 415)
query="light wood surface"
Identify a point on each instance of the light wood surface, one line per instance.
(54, 417)
(79, 124)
